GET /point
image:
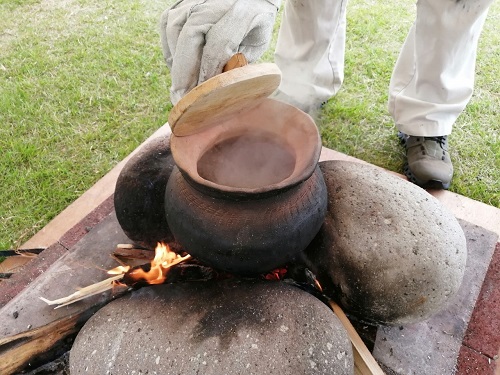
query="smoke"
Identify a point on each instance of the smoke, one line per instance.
(249, 160)
(309, 105)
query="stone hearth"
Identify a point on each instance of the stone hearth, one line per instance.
(463, 338)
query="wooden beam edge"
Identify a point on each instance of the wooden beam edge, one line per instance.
(364, 362)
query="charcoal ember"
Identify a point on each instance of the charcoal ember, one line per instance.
(139, 197)
(182, 272)
(231, 326)
(134, 282)
(388, 252)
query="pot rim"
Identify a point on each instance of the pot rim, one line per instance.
(303, 138)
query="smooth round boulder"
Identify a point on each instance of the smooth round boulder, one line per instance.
(388, 252)
(139, 197)
(212, 328)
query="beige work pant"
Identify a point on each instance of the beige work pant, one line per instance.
(432, 81)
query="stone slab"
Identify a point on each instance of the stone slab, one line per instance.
(82, 265)
(433, 346)
(38, 265)
(91, 255)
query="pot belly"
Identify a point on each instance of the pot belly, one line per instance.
(245, 236)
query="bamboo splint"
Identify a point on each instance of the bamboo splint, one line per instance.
(88, 291)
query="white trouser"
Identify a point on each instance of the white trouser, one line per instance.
(433, 78)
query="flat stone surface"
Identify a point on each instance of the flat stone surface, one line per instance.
(225, 327)
(432, 346)
(84, 264)
(104, 236)
(36, 267)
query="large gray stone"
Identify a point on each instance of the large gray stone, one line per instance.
(433, 346)
(229, 327)
(389, 252)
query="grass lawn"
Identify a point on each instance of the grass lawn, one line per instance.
(83, 83)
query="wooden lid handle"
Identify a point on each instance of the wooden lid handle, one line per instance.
(236, 61)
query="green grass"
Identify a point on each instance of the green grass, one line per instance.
(83, 83)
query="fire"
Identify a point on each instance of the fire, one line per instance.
(276, 274)
(318, 285)
(282, 273)
(156, 272)
(120, 270)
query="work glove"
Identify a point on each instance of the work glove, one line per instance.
(198, 37)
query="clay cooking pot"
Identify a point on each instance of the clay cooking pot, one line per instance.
(247, 195)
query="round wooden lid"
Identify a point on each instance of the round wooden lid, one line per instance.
(224, 95)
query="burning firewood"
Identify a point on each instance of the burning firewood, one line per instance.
(133, 254)
(160, 270)
(151, 273)
(130, 252)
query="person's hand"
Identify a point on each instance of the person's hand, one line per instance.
(198, 37)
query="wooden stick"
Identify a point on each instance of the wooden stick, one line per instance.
(100, 287)
(16, 351)
(364, 363)
(118, 260)
(177, 261)
(133, 253)
(88, 291)
(124, 246)
(22, 252)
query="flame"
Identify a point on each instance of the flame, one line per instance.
(318, 285)
(163, 260)
(120, 270)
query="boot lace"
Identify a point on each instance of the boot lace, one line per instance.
(442, 141)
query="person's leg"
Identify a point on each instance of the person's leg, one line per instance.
(310, 50)
(433, 81)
